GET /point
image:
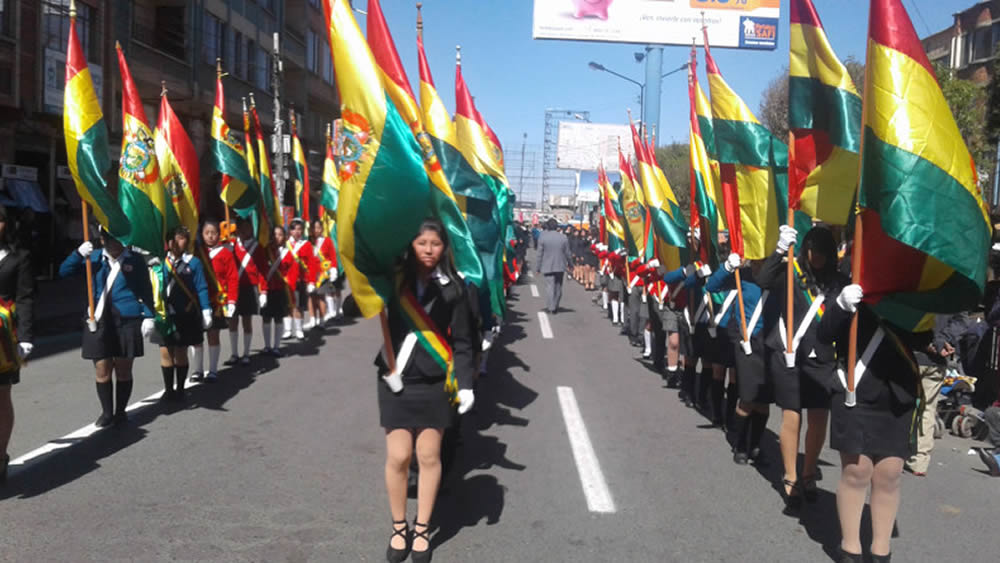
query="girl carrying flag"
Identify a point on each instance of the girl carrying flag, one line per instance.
(223, 290)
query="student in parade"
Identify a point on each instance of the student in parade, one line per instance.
(693, 333)
(281, 276)
(749, 420)
(184, 308)
(17, 294)
(591, 262)
(304, 288)
(252, 287)
(223, 291)
(873, 437)
(431, 298)
(123, 315)
(801, 378)
(323, 304)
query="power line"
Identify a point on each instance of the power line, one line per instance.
(920, 15)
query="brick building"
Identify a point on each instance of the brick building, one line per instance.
(174, 41)
(969, 44)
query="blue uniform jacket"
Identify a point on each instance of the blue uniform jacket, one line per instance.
(191, 272)
(132, 291)
(723, 280)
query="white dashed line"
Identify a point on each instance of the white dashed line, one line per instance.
(595, 489)
(543, 320)
(534, 290)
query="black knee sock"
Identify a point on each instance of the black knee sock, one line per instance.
(732, 397)
(758, 423)
(122, 395)
(168, 379)
(704, 385)
(104, 395)
(687, 381)
(738, 431)
(718, 390)
(180, 373)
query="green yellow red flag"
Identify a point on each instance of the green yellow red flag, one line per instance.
(634, 211)
(178, 166)
(926, 229)
(87, 149)
(706, 194)
(301, 172)
(268, 194)
(239, 188)
(612, 211)
(664, 212)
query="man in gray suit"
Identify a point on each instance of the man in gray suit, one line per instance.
(553, 258)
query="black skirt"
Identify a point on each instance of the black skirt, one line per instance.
(805, 386)
(246, 303)
(752, 379)
(302, 296)
(219, 323)
(875, 430)
(720, 349)
(116, 337)
(188, 331)
(277, 304)
(422, 403)
(12, 377)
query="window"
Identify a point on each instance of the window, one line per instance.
(162, 27)
(215, 39)
(315, 4)
(7, 8)
(262, 74)
(271, 5)
(978, 44)
(229, 58)
(55, 26)
(310, 50)
(236, 5)
(327, 63)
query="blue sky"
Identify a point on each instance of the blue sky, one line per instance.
(515, 78)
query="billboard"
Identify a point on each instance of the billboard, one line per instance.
(582, 146)
(740, 24)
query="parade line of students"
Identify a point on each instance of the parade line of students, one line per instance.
(688, 323)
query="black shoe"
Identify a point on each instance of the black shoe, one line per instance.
(103, 421)
(881, 558)
(232, 361)
(845, 557)
(989, 458)
(673, 381)
(421, 556)
(792, 496)
(119, 419)
(3, 469)
(741, 458)
(167, 396)
(393, 555)
(809, 491)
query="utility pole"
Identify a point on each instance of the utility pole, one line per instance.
(279, 137)
(520, 191)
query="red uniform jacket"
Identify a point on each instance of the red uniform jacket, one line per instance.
(305, 258)
(325, 251)
(284, 270)
(226, 272)
(248, 266)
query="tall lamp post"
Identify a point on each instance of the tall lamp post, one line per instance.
(654, 92)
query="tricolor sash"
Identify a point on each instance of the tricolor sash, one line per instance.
(176, 280)
(9, 358)
(430, 338)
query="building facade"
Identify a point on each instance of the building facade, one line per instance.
(969, 45)
(173, 42)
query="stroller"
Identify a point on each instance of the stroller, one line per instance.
(956, 399)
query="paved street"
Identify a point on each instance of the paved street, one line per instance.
(284, 463)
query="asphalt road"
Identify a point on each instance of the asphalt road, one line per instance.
(284, 463)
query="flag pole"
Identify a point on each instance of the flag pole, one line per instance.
(228, 228)
(91, 322)
(790, 267)
(390, 355)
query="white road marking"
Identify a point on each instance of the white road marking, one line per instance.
(81, 434)
(543, 320)
(595, 489)
(534, 290)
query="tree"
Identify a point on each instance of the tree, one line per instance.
(675, 161)
(773, 111)
(969, 102)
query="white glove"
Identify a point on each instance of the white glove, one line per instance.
(466, 398)
(230, 310)
(733, 263)
(849, 297)
(688, 270)
(85, 249)
(333, 274)
(262, 300)
(206, 318)
(311, 288)
(24, 349)
(786, 237)
(704, 271)
(147, 327)
(653, 264)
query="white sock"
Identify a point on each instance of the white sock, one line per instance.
(647, 337)
(604, 300)
(614, 310)
(213, 358)
(621, 307)
(277, 332)
(247, 337)
(672, 368)
(197, 355)
(286, 323)
(267, 336)
(331, 306)
(234, 343)
(298, 324)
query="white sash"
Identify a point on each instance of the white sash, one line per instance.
(274, 266)
(632, 282)
(246, 257)
(753, 320)
(806, 322)
(860, 366)
(714, 322)
(213, 252)
(116, 268)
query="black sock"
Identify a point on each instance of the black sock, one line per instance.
(168, 380)
(738, 432)
(122, 395)
(758, 423)
(718, 389)
(104, 395)
(687, 381)
(181, 374)
(732, 397)
(704, 385)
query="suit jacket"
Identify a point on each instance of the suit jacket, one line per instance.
(553, 252)
(17, 285)
(132, 291)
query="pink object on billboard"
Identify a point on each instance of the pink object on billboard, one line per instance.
(585, 8)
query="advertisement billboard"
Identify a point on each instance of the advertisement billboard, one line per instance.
(582, 146)
(739, 24)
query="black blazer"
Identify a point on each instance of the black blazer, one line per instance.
(452, 315)
(17, 285)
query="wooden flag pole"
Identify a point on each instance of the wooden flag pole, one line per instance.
(227, 228)
(852, 342)
(91, 322)
(790, 270)
(390, 355)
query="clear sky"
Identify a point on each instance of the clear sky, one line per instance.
(515, 78)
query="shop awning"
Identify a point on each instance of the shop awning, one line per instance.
(23, 194)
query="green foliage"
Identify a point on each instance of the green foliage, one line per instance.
(675, 160)
(969, 102)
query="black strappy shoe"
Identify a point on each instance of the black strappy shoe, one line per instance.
(792, 497)
(393, 555)
(421, 556)
(3, 470)
(808, 485)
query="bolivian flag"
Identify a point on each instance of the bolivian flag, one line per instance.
(753, 166)
(143, 198)
(612, 206)
(178, 166)
(87, 140)
(301, 173)
(239, 186)
(384, 189)
(926, 229)
(263, 229)
(824, 117)
(272, 207)
(705, 188)
(634, 209)
(442, 199)
(665, 213)
(329, 196)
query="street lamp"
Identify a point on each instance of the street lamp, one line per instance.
(642, 87)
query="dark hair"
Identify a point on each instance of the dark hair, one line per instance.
(445, 263)
(819, 239)
(552, 224)
(296, 221)
(210, 221)
(179, 230)
(6, 239)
